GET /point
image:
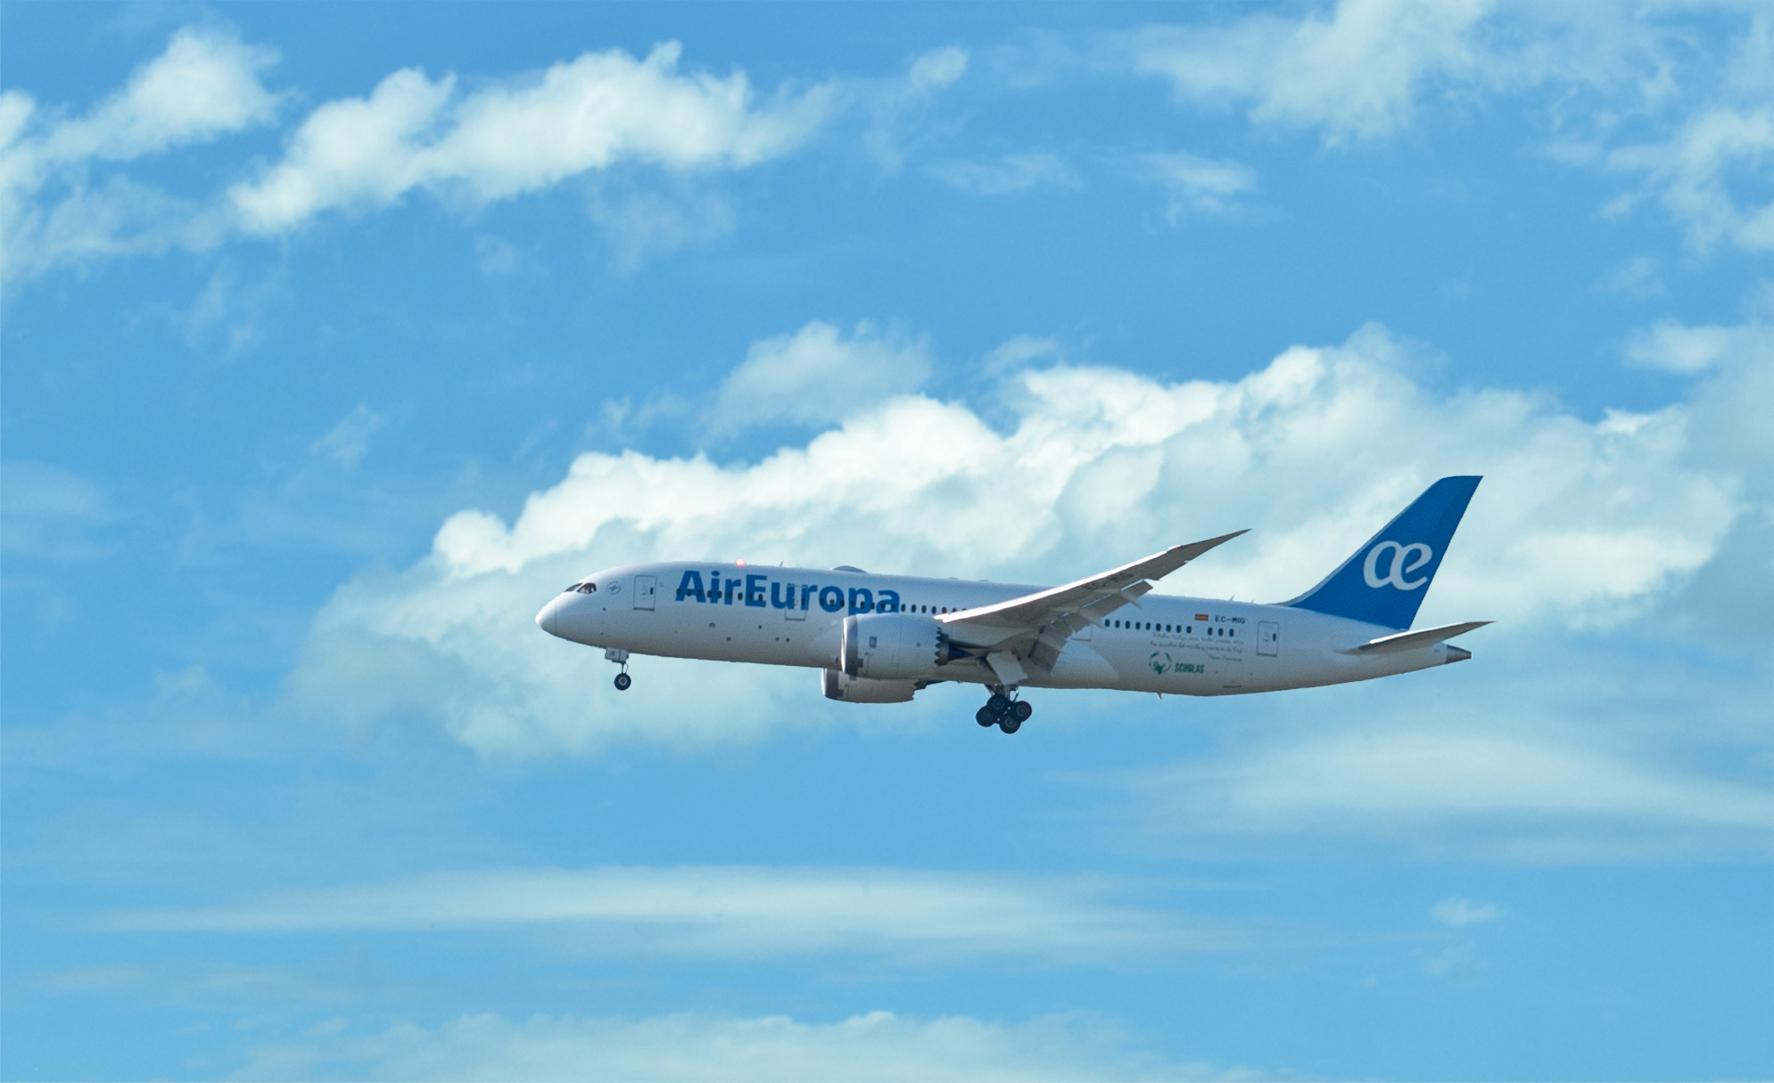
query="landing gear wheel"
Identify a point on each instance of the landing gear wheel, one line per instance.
(623, 680)
(985, 717)
(1020, 712)
(1011, 724)
(998, 704)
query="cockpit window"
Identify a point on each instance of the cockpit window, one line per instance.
(571, 587)
(587, 587)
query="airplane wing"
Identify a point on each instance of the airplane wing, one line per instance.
(1034, 628)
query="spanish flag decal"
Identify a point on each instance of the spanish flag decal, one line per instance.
(1201, 616)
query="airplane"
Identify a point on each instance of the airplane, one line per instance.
(884, 638)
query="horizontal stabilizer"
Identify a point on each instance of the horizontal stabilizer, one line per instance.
(1410, 641)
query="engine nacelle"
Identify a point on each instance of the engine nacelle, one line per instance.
(891, 646)
(865, 689)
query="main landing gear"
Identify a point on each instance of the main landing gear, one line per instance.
(1005, 712)
(620, 657)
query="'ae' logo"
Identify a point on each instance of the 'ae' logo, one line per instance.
(1401, 559)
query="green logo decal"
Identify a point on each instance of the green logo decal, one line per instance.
(1161, 663)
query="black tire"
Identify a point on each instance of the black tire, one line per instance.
(998, 704)
(1010, 724)
(1021, 710)
(985, 717)
(623, 680)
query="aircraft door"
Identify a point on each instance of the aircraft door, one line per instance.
(793, 612)
(1268, 637)
(645, 586)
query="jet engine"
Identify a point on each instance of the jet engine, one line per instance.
(891, 646)
(865, 689)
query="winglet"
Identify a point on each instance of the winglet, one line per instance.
(1159, 565)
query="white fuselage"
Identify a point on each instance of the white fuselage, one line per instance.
(793, 617)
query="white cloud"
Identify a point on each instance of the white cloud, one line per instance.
(642, 224)
(899, 108)
(1008, 174)
(900, 914)
(1364, 69)
(1696, 172)
(346, 442)
(877, 1045)
(357, 150)
(1474, 780)
(935, 70)
(1355, 73)
(496, 256)
(818, 375)
(1019, 351)
(508, 138)
(16, 108)
(231, 311)
(1579, 524)
(205, 85)
(1197, 185)
(50, 512)
(1729, 430)
(1637, 277)
(1456, 912)
(1682, 347)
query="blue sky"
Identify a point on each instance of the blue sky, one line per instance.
(337, 337)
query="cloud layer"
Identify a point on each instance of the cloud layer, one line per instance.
(903, 915)
(876, 1045)
(204, 86)
(507, 137)
(1357, 72)
(584, 115)
(1354, 71)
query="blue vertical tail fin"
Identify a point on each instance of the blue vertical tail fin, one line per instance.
(1385, 580)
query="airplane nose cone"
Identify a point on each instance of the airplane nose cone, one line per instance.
(546, 617)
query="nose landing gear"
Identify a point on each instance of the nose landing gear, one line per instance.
(620, 657)
(1004, 711)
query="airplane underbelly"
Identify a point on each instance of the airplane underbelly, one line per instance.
(726, 636)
